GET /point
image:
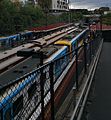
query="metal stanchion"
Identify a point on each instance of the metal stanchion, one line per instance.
(85, 58)
(90, 47)
(52, 91)
(42, 86)
(76, 53)
(74, 97)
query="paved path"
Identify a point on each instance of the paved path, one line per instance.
(100, 109)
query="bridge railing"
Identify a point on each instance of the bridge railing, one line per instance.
(91, 58)
(38, 94)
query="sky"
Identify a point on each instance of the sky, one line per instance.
(89, 4)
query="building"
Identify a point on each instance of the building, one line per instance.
(60, 5)
(56, 5)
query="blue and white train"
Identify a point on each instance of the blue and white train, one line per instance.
(15, 40)
(22, 99)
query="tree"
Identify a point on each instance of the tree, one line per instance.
(6, 24)
(45, 4)
(107, 19)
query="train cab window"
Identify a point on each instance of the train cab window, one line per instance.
(31, 90)
(18, 105)
(7, 114)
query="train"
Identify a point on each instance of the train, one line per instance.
(15, 40)
(20, 100)
(20, 38)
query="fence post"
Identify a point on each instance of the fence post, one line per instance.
(85, 59)
(90, 45)
(42, 86)
(76, 53)
(74, 97)
(52, 90)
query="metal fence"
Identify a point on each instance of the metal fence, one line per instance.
(36, 95)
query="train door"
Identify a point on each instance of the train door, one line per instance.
(7, 112)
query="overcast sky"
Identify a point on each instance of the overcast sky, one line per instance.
(89, 4)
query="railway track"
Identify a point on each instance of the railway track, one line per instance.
(9, 59)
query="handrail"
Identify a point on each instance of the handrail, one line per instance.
(77, 108)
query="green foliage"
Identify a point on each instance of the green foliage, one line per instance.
(107, 19)
(6, 20)
(76, 16)
(15, 18)
(18, 17)
(45, 4)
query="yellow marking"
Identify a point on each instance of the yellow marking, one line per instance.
(65, 42)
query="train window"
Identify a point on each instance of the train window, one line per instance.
(18, 105)
(1, 115)
(31, 90)
(8, 114)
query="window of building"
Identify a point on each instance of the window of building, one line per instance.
(18, 105)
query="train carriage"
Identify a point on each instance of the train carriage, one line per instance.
(15, 40)
(26, 94)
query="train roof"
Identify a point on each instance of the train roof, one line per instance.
(72, 35)
(8, 37)
(49, 50)
(29, 65)
(79, 35)
(25, 67)
(56, 56)
(69, 37)
(18, 71)
(3, 38)
(25, 32)
(15, 35)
